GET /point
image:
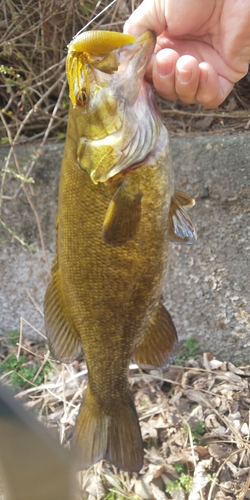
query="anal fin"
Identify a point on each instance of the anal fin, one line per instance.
(64, 342)
(159, 344)
(122, 217)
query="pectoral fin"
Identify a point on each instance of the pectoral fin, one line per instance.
(122, 217)
(184, 199)
(64, 342)
(180, 226)
(159, 345)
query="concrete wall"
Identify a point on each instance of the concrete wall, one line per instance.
(208, 285)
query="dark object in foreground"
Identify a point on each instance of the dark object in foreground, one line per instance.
(34, 466)
(117, 210)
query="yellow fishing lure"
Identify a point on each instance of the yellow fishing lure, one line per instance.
(80, 50)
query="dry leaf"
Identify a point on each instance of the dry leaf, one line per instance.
(197, 396)
(234, 369)
(143, 490)
(154, 456)
(113, 482)
(153, 472)
(237, 471)
(200, 477)
(157, 493)
(219, 451)
(148, 431)
(221, 496)
(206, 360)
(220, 390)
(244, 429)
(202, 451)
(215, 364)
(178, 495)
(96, 488)
(211, 422)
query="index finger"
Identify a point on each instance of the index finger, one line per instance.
(147, 17)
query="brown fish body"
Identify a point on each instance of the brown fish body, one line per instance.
(105, 292)
(116, 288)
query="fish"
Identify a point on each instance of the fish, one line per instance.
(117, 211)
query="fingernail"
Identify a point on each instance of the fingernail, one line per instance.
(184, 75)
(203, 78)
(165, 69)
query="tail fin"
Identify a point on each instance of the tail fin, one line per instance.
(114, 437)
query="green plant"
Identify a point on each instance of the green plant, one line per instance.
(22, 372)
(14, 235)
(190, 349)
(111, 496)
(61, 135)
(173, 486)
(184, 482)
(114, 495)
(13, 337)
(20, 177)
(179, 467)
(4, 140)
(213, 478)
(197, 431)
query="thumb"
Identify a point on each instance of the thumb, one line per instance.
(150, 15)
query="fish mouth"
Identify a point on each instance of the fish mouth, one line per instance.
(88, 48)
(140, 97)
(119, 125)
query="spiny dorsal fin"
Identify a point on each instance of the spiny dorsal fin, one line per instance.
(64, 342)
(158, 346)
(180, 226)
(122, 217)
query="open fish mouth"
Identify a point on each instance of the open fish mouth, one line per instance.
(115, 111)
(126, 56)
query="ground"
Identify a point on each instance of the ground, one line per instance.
(194, 420)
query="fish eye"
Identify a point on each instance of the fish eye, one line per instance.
(81, 97)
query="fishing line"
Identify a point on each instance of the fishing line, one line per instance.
(94, 18)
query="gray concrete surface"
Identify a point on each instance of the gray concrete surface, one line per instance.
(208, 286)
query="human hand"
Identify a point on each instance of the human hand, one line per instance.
(202, 48)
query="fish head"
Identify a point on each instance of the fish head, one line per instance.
(113, 107)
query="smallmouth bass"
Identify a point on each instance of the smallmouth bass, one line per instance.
(118, 209)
